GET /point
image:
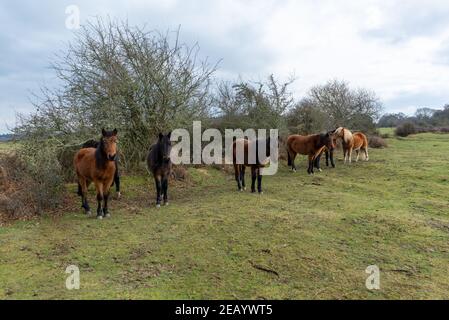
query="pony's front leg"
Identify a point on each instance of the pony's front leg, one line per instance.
(165, 189)
(106, 213)
(317, 162)
(158, 191)
(311, 161)
(350, 155)
(347, 159)
(331, 156)
(237, 176)
(99, 187)
(242, 176)
(259, 181)
(253, 179)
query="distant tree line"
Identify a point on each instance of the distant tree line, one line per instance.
(423, 118)
(6, 137)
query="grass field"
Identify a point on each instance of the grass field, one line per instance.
(6, 146)
(306, 237)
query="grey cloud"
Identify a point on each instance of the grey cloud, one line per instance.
(405, 20)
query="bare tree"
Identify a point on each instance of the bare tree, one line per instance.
(254, 104)
(114, 75)
(357, 109)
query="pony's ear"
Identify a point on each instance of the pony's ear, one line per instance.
(160, 135)
(103, 132)
(115, 132)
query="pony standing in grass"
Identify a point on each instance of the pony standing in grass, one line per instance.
(352, 142)
(241, 164)
(97, 165)
(159, 164)
(311, 146)
(94, 144)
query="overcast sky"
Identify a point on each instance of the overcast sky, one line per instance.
(400, 49)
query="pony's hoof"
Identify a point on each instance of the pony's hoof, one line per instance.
(88, 213)
(118, 196)
(244, 189)
(166, 204)
(99, 217)
(107, 215)
(261, 193)
(158, 206)
(319, 170)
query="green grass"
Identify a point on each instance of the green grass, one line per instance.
(6, 147)
(389, 131)
(318, 233)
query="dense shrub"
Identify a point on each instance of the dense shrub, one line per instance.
(377, 142)
(405, 129)
(29, 185)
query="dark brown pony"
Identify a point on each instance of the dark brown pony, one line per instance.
(311, 146)
(159, 164)
(97, 165)
(239, 168)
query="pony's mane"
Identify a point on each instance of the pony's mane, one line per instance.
(347, 135)
(100, 155)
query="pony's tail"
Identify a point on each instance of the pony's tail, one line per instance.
(289, 157)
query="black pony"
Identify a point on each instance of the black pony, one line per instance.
(329, 153)
(159, 164)
(94, 144)
(329, 156)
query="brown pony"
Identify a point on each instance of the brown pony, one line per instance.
(352, 142)
(239, 167)
(312, 146)
(97, 166)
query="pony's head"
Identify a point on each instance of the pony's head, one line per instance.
(108, 144)
(343, 133)
(165, 146)
(328, 140)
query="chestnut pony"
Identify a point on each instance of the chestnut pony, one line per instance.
(239, 168)
(311, 146)
(97, 165)
(94, 144)
(352, 142)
